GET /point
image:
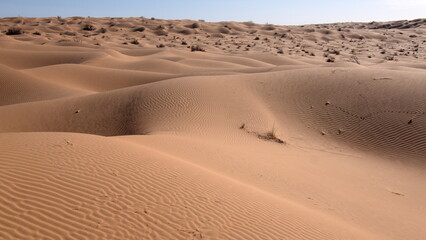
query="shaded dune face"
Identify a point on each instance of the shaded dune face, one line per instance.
(382, 111)
(359, 107)
(135, 128)
(18, 87)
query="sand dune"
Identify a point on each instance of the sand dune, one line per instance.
(120, 190)
(96, 79)
(135, 128)
(18, 87)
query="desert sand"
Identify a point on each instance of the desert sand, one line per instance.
(137, 128)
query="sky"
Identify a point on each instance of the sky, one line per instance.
(283, 12)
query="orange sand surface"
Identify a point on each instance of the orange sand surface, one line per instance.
(136, 128)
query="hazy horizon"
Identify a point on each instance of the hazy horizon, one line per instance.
(270, 11)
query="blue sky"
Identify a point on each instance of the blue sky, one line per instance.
(259, 11)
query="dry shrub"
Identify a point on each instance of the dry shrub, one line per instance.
(14, 31)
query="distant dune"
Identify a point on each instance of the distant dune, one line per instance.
(136, 128)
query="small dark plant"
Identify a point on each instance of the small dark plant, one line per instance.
(195, 25)
(135, 42)
(14, 31)
(271, 136)
(195, 48)
(89, 27)
(355, 59)
(139, 29)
